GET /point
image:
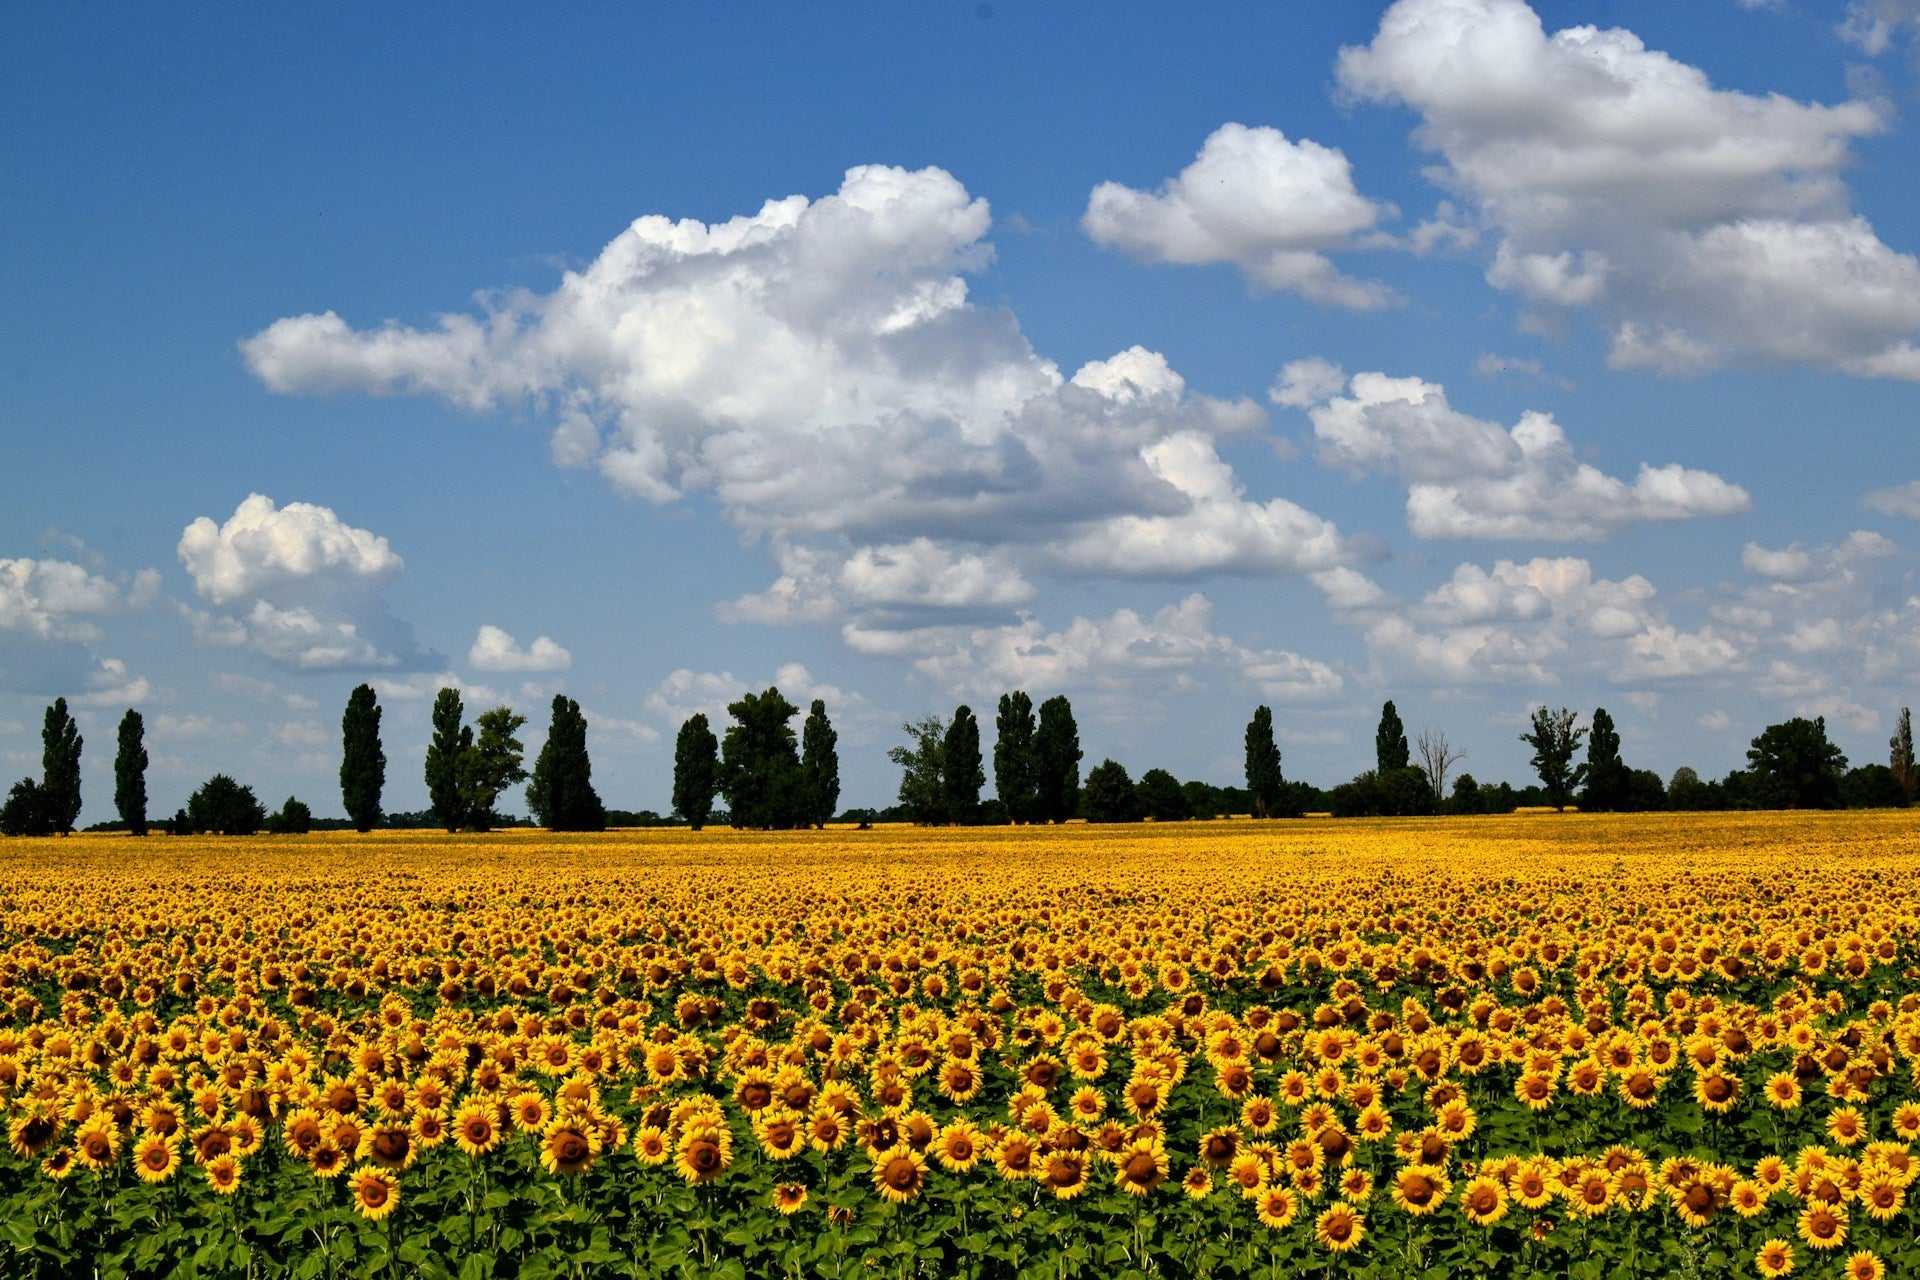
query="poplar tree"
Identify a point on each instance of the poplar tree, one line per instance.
(561, 794)
(60, 744)
(1263, 764)
(1014, 777)
(1056, 754)
(130, 773)
(449, 745)
(963, 775)
(1607, 775)
(696, 770)
(1390, 750)
(820, 765)
(1900, 758)
(363, 764)
(760, 763)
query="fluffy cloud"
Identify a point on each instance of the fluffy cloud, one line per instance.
(818, 367)
(49, 630)
(495, 650)
(1705, 227)
(1174, 645)
(1470, 478)
(686, 692)
(1873, 24)
(1268, 205)
(301, 587)
(1900, 500)
(55, 600)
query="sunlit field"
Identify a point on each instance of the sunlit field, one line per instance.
(1539, 1044)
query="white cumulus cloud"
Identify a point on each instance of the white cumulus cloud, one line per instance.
(495, 650)
(1899, 500)
(1704, 227)
(1271, 206)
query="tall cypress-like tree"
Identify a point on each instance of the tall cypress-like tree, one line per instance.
(363, 763)
(450, 743)
(1608, 777)
(696, 770)
(1263, 764)
(1390, 749)
(561, 793)
(1900, 756)
(130, 773)
(1056, 753)
(60, 744)
(820, 765)
(1014, 778)
(964, 774)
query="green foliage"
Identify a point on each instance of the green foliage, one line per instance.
(448, 746)
(1554, 738)
(489, 765)
(1109, 795)
(696, 770)
(1263, 764)
(1015, 779)
(130, 773)
(363, 762)
(224, 807)
(1161, 797)
(923, 770)
(961, 774)
(1795, 766)
(1405, 792)
(1900, 758)
(25, 812)
(820, 763)
(1608, 778)
(1872, 786)
(294, 819)
(60, 744)
(1056, 755)
(1390, 750)
(760, 764)
(561, 794)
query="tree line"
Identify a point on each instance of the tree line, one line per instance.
(773, 778)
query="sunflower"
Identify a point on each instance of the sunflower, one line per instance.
(1141, 1168)
(1774, 1259)
(1533, 1183)
(958, 1147)
(97, 1144)
(1340, 1228)
(651, 1146)
(899, 1173)
(826, 1128)
(1865, 1265)
(1845, 1126)
(476, 1128)
(1782, 1092)
(1250, 1172)
(223, 1174)
(1356, 1186)
(530, 1112)
(247, 1135)
(1277, 1208)
(1882, 1197)
(569, 1147)
(327, 1161)
(1064, 1173)
(789, 1197)
(155, 1158)
(1484, 1201)
(389, 1145)
(704, 1153)
(1015, 1157)
(959, 1081)
(1748, 1198)
(1198, 1184)
(1420, 1190)
(1823, 1226)
(376, 1193)
(1220, 1145)
(781, 1133)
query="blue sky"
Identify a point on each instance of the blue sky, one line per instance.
(1457, 352)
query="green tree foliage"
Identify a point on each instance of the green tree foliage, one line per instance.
(1056, 755)
(1110, 795)
(1263, 764)
(1390, 750)
(561, 793)
(1686, 791)
(1554, 738)
(962, 775)
(25, 812)
(1015, 779)
(490, 765)
(820, 764)
(1900, 759)
(696, 770)
(449, 745)
(923, 770)
(1872, 786)
(1161, 797)
(363, 763)
(1609, 781)
(760, 764)
(130, 773)
(1405, 792)
(294, 819)
(60, 744)
(223, 807)
(1795, 766)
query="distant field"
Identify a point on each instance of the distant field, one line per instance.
(1539, 1044)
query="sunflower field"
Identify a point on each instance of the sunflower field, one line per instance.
(1550, 1045)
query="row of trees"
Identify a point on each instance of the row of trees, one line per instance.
(772, 780)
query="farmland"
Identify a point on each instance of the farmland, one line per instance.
(1539, 1044)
